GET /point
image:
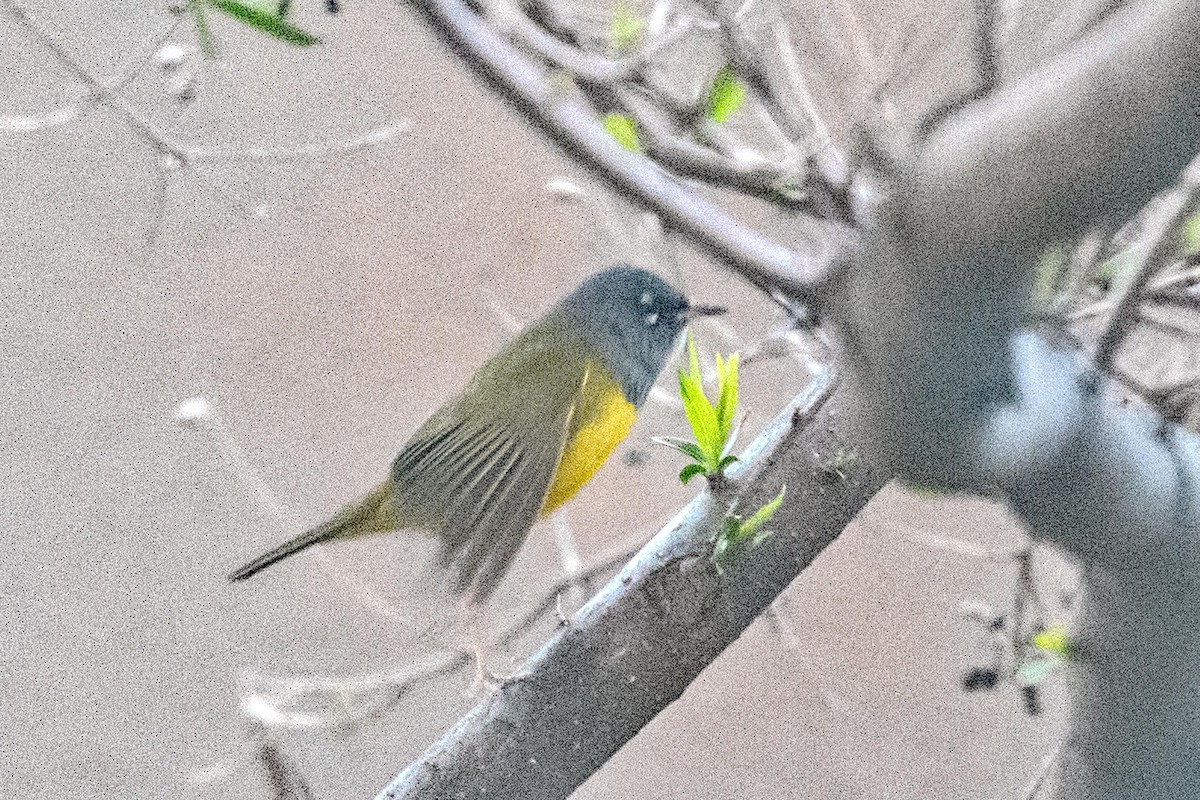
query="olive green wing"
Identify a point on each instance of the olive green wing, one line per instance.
(476, 474)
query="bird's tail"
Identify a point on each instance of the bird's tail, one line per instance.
(375, 513)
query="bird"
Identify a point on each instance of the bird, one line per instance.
(531, 427)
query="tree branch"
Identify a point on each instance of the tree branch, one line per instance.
(766, 264)
(933, 306)
(644, 638)
(944, 282)
(798, 119)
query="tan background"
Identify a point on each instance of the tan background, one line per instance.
(326, 304)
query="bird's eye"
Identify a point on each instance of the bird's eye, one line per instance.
(646, 298)
(652, 319)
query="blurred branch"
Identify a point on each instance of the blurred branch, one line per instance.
(1033, 789)
(644, 638)
(633, 83)
(571, 125)
(959, 398)
(1164, 238)
(284, 778)
(984, 21)
(969, 219)
(177, 153)
(1029, 142)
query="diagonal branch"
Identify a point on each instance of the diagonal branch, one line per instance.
(765, 263)
(646, 636)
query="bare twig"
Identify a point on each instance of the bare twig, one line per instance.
(1163, 244)
(1171, 288)
(1034, 788)
(636, 86)
(798, 120)
(1147, 316)
(288, 702)
(751, 174)
(985, 20)
(283, 777)
(583, 578)
(101, 89)
(765, 263)
(28, 123)
(802, 99)
(318, 702)
(176, 152)
(375, 136)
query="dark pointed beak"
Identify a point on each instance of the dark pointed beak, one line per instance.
(694, 312)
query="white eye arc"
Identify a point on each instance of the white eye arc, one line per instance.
(646, 298)
(652, 319)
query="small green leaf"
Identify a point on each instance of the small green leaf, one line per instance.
(690, 449)
(626, 27)
(1191, 235)
(727, 381)
(623, 129)
(725, 96)
(1050, 268)
(208, 43)
(699, 411)
(703, 419)
(266, 22)
(1053, 640)
(690, 471)
(711, 425)
(1031, 673)
(738, 536)
(751, 527)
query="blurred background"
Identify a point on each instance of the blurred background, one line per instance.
(315, 305)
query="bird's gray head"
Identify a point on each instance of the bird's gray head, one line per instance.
(632, 318)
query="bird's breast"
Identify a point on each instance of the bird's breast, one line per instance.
(602, 419)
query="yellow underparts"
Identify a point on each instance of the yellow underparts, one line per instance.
(591, 446)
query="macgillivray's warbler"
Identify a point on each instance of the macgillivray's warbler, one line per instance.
(532, 427)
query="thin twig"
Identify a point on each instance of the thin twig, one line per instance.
(142, 126)
(986, 56)
(765, 263)
(752, 174)
(1164, 241)
(584, 578)
(160, 140)
(823, 145)
(273, 701)
(795, 119)
(283, 776)
(1039, 778)
(638, 89)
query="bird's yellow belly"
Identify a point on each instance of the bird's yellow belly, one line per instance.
(591, 446)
